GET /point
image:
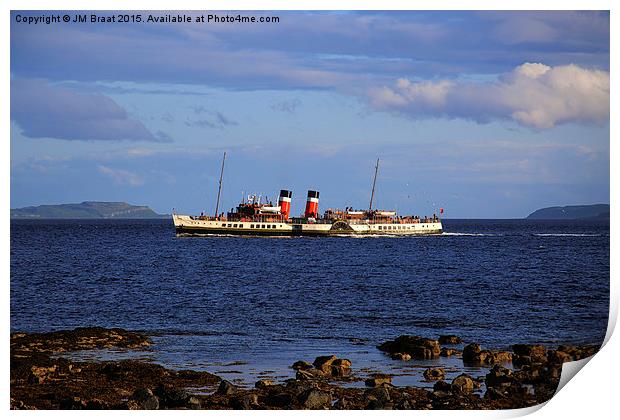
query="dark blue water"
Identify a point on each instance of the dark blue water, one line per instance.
(270, 301)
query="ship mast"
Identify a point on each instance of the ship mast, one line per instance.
(219, 190)
(374, 181)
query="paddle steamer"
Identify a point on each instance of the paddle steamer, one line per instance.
(254, 217)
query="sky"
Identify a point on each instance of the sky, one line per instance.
(485, 114)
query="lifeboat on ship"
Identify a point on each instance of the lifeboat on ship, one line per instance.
(269, 210)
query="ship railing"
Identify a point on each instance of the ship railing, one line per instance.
(254, 219)
(209, 218)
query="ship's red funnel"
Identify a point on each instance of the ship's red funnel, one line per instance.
(285, 203)
(312, 204)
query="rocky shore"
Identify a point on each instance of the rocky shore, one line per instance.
(43, 377)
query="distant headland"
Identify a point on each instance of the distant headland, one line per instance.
(592, 211)
(87, 210)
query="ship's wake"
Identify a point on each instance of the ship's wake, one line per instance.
(578, 235)
(469, 234)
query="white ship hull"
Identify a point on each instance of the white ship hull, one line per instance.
(190, 226)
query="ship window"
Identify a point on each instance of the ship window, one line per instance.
(273, 226)
(251, 226)
(263, 226)
(241, 225)
(223, 224)
(235, 225)
(230, 225)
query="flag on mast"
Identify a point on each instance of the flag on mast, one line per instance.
(441, 210)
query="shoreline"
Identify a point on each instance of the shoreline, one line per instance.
(44, 377)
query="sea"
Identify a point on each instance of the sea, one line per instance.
(246, 308)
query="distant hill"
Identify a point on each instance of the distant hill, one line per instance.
(593, 211)
(86, 210)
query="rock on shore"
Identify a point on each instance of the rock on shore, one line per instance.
(415, 346)
(324, 367)
(77, 339)
(450, 339)
(473, 354)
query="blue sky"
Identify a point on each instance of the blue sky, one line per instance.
(487, 114)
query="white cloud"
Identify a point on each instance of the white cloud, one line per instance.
(121, 176)
(533, 94)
